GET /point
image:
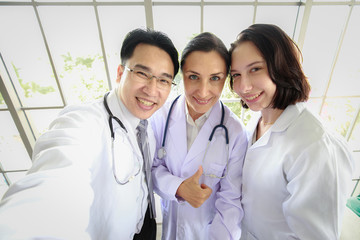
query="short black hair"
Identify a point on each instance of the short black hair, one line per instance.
(151, 37)
(206, 42)
(283, 59)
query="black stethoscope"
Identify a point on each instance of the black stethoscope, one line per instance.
(162, 152)
(112, 117)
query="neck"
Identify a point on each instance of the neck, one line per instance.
(269, 116)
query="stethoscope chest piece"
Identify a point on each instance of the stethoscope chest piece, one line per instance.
(161, 153)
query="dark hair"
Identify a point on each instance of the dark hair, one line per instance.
(282, 57)
(206, 42)
(151, 37)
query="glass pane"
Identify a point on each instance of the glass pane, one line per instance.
(41, 119)
(298, 24)
(15, 1)
(75, 46)
(175, 0)
(346, 78)
(282, 16)
(354, 140)
(229, 1)
(243, 114)
(24, 53)
(314, 104)
(114, 29)
(180, 29)
(217, 19)
(321, 43)
(13, 155)
(65, 0)
(118, 1)
(330, 0)
(338, 113)
(278, 1)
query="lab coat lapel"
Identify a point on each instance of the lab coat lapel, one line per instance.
(177, 131)
(282, 123)
(201, 141)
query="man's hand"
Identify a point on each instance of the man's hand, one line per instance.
(192, 192)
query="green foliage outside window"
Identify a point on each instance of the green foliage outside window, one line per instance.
(30, 88)
(84, 77)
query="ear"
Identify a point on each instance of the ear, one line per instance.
(120, 72)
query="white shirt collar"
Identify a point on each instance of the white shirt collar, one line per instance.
(193, 127)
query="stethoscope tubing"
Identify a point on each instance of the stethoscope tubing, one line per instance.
(162, 151)
(112, 117)
(167, 120)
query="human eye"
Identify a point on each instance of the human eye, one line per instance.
(255, 69)
(235, 75)
(141, 74)
(165, 81)
(193, 77)
(215, 78)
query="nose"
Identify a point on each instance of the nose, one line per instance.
(242, 85)
(203, 89)
(151, 86)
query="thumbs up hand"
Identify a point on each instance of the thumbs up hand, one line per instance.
(192, 192)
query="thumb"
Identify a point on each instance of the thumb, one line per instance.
(198, 174)
(206, 187)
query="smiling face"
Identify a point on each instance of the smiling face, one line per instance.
(204, 77)
(251, 77)
(143, 98)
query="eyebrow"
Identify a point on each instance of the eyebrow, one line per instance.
(147, 69)
(213, 74)
(249, 65)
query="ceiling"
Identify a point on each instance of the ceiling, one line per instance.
(55, 53)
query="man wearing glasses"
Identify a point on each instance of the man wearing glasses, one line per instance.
(88, 179)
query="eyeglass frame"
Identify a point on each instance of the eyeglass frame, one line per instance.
(149, 76)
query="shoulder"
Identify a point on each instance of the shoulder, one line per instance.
(308, 124)
(311, 131)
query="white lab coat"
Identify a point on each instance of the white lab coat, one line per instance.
(296, 180)
(70, 192)
(219, 217)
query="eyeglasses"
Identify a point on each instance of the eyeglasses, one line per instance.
(140, 75)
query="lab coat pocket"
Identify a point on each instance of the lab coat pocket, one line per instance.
(126, 164)
(213, 173)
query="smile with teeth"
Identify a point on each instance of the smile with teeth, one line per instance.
(146, 103)
(201, 101)
(252, 97)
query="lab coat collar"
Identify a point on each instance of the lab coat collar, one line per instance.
(179, 111)
(287, 117)
(177, 132)
(200, 143)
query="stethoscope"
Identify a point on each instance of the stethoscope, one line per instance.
(112, 117)
(161, 154)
